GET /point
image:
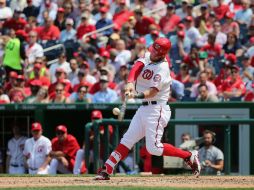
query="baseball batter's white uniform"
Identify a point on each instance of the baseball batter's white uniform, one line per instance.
(37, 152)
(15, 151)
(152, 117)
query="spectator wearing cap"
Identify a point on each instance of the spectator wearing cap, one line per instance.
(30, 10)
(4, 98)
(33, 49)
(39, 72)
(169, 22)
(81, 95)
(104, 21)
(60, 19)
(105, 94)
(203, 79)
(18, 93)
(106, 62)
(36, 151)
(16, 22)
(244, 16)
(230, 25)
(154, 33)
(204, 96)
(97, 15)
(182, 12)
(233, 45)
(85, 26)
(64, 149)
(61, 77)
(123, 56)
(50, 7)
(5, 11)
(48, 31)
(69, 33)
(181, 46)
(221, 9)
(83, 76)
(233, 88)
(191, 31)
(12, 81)
(60, 94)
(62, 63)
(247, 72)
(142, 23)
(200, 21)
(35, 86)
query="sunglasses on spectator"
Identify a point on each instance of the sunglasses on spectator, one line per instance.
(59, 90)
(234, 71)
(83, 91)
(32, 36)
(59, 133)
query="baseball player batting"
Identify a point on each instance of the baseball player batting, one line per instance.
(149, 80)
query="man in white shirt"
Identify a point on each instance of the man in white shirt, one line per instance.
(5, 12)
(123, 54)
(33, 49)
(15, 158)
(62, 63)
(37, 151)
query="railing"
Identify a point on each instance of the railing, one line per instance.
(105, 122)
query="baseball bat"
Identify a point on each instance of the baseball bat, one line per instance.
(123, 108)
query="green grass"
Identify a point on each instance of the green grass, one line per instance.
(117, 188)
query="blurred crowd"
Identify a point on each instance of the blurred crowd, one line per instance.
(211, 58)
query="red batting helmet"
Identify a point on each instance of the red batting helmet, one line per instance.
(160, 47)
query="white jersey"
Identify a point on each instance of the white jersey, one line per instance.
(37, 151)
(15, 150)
(155, 75)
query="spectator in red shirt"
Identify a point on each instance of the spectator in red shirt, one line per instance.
(183, 76)
(84, 27)
(233, 87)
(15, 23)
(142, 23)
(213, 49)
(221, 9)
(19, 92)
(230, 25)
(249, 96)
(169, 22)
(12, 81)
(64, 149)
(48, 31)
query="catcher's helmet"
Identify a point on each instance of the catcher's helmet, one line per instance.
(160, 47)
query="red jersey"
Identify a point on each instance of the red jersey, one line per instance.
(221, 11)
(51, 33)
(230, 86)
(44, 81)
(83, 29)
(69, 147)
(192, 62)
(184, 81)
(122, 17)
(96, 87)
(142, 27)
(212, 50)
(168, 24)
(249, 97)
(15, 24)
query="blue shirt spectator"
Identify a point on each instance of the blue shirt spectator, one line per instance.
(69, 33)
(244, 16)
(104, 21)
(105, 95)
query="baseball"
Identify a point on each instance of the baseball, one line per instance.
(116, 111)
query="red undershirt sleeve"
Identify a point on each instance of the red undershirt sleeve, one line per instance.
(135, 71)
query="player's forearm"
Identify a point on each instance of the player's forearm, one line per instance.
(135, 71)
(57, 154)
(46, 162)
(150, 93)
